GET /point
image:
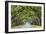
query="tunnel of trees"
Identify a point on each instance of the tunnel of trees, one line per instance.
(21, 14)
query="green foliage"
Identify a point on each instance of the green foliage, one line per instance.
(24, 13)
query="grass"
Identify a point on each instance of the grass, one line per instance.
(35, 26)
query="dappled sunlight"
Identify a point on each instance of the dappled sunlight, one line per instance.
(25, 16)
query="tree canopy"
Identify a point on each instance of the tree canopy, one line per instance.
(23, 13)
